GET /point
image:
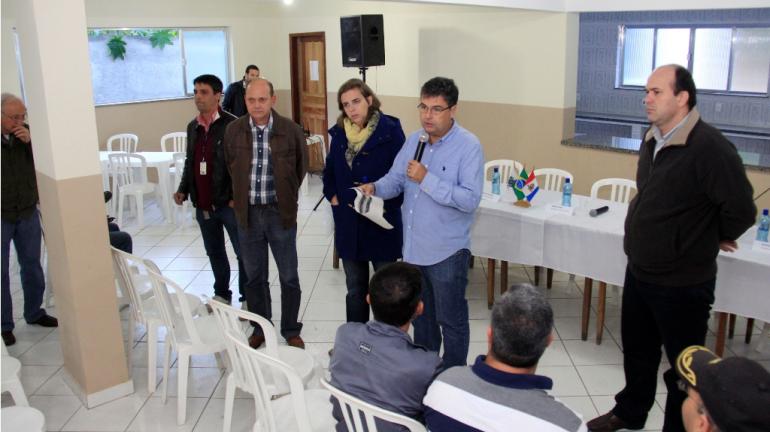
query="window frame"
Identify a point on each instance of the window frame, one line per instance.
(188, 93)
(620, 67)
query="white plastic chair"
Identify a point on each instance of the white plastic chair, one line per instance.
(126, 143)
(189, 335)
(134, 281)
(358, 407)
(301, 361)
(550, 179)
(620, 189)
(129, 174)
(301, 410)
(174, 142)
(11, 382)
(22, 418)
(186, 207)
(507, 168)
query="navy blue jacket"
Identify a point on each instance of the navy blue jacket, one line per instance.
(358, 238)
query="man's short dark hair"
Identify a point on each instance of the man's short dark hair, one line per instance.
(211, 80)
(395, 292)
(250, 67)
(522, 321)
(683, 82)
(440, 86)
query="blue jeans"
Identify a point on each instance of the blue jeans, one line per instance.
(357, 281)
(26, 235)
(265, 228)
(446, 309)
(212, 232)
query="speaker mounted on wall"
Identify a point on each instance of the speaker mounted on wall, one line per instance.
(363, 41)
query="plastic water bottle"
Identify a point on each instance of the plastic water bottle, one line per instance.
(496, 181)
(566, 193)
(764, 226)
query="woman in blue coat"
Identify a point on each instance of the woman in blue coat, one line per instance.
(364, 143)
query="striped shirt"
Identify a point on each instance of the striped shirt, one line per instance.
(481, 398)
(262, 190)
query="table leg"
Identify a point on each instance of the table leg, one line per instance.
(164, 185)
(731, 326)
(719, 349)
(588, 286)
(548, 278)
(490, 282)
(537, 276)
(749, 329)
(503, 276)
(601, 310)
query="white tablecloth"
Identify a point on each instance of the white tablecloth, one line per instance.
(161, 161)
(593, 247)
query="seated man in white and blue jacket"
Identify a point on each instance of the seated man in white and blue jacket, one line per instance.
(501, 391)
(377, 361)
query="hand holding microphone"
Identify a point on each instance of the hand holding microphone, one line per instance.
(416, 171)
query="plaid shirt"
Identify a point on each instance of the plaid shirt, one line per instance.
(262, 190)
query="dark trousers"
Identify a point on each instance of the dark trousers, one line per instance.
(651, 316)
(120, 239)
(357, 281)
(213, 230)
(27, 236)
(265, 229)
(445, 312)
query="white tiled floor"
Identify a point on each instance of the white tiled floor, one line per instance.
(586, 376)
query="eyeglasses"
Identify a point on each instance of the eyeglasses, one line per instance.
(18, 117)
(433, 110)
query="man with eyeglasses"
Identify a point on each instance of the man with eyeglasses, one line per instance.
(20, 219)
(731, 394)
(441, 193)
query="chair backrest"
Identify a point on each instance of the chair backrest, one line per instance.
(179, 322)
(254, 363)
(179, 161)
(351, 404)
(621, 189)
(127, 143)
(177, 141)
(131, 272)
(552, 179)
(127, 168)
(506, 167)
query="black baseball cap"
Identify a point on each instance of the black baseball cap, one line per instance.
(735, 390)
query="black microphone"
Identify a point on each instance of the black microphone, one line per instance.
(598, 211)
(420, 147)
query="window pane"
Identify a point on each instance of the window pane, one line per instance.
(672, 46)
(711, 59)
(751, 60)
(637, 55)
(145, 72)
(205, 53)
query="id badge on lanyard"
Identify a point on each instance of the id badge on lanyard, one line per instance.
(203, 168)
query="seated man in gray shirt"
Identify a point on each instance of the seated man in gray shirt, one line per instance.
(377, 361)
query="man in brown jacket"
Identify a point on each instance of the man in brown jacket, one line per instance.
(265, 155)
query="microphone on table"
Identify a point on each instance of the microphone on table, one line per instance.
(598, 211)
(420, 147)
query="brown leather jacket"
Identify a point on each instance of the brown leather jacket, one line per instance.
(287, 155)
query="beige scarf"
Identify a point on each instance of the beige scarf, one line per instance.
(357, 136)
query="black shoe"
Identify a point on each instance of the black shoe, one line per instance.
(46, 321)
(107, 196)
(610, 423)
(8, 338)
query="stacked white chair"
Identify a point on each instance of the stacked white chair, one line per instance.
(174, 142)
(180, 212)
(351, 404)
(124, 142)
(186, 333)
(11, 382)
(134, 281)
(129, 176)
(22, 418)
(230, 321)
(301, 410)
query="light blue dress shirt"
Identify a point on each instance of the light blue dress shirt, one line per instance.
(438, 212)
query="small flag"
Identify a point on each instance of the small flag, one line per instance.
(525, 187)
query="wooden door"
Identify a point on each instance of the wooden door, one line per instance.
(308, 82)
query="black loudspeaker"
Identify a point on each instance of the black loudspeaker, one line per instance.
(363, 41)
